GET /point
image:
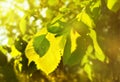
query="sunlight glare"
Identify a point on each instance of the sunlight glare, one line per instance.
(39, 25)
(43, 12)
(20, 13)
(6, 6)
(37, 2)
(14, 31)
(31, 19)
(26, 5)
(9, 57)
(3, 36)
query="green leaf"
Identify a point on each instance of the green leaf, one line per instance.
(20, 44)
(75, 58)
(80, 50)
(55, 28)
(41, 45)
(70, 56)
(67, 51)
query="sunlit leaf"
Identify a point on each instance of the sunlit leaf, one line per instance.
(53, 2)
(88, 70)
(49, 13)
(89, 51)
(84, 3)
(85, 18)
(22, 25)
(51, 58)
(41, 45)
(113, 5)
(14, 52)
(58, 17)
(64, 9)
(74, 36)
(96, 5)
(98, 51)
(95, 9)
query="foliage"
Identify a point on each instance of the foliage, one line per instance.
(59, 40)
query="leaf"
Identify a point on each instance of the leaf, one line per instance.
(49, 62)
(95, 10)
(20, 44)
(53, 2)
(98, 51)
(22, 25)
(55, 28)
(86, 19)
(64, 9)
(67, 51)
(14, 53)
(88, 70)
(41, 45)
(70, 47)
(113, 5)
(55, 19)
(80, 27)
(88, 54)
(80, 51)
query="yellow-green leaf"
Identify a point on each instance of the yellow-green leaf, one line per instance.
(110, 3)
(98, 51)
(55, 19)
(22, 25)
(86, 19)
(49, 62)
(53, 2)
(73, 35)
(113, 5)
(15, 52)
(88, 54)
(88, 70)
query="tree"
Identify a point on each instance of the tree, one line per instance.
(59, 40)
